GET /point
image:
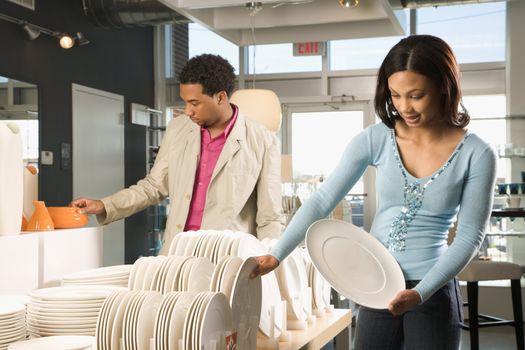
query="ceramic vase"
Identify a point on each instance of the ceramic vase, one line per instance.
(30, 189)
(24, 223)
(11, 179)
(40, 220)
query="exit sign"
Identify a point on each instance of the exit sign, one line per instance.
(309, 48)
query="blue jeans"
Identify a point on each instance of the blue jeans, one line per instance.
(435, 324)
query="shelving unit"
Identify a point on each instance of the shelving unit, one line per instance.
(157, 215)
(155, 123)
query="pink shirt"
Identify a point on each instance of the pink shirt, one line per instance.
(210, 151)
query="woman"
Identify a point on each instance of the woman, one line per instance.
(430, 171)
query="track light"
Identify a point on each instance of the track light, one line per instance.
(33, 31)
(66, 41)
(81, 39)
(349, 3)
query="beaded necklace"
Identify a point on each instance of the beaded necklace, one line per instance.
(413, 199)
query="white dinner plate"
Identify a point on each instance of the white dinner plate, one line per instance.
(100, 273)
(356, 264)
(198, 320)
(141, 272)
(134, 270)
(153, 266)
(56, 343)
(245, 300)
(9, 309)
(146, 319)
(294, 282)
(187, 339)
(176, 320)
(215, 322)
(73, 293)
(199, 279)
(249, 246)
(228, 276)
(159, 327)
(117, 324)
(171, 283)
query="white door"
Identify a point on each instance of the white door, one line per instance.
(316, 136)
(98, 156)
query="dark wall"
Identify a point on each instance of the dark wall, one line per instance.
(117, 60)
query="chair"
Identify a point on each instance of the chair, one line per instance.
(261, 105)
(481, 270)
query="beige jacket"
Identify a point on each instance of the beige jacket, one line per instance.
(244, 192)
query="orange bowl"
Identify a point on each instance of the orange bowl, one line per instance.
(67, 217)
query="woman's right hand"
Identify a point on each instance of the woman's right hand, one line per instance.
(88, 206)
(265, 264)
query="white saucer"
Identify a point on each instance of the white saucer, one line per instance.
(356, 264)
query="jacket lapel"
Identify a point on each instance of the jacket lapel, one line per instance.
(232, 145)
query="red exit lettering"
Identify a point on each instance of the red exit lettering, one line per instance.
(305, 48)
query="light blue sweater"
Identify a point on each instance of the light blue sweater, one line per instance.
(464, 188)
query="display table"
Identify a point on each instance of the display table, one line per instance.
(315, 336)
(40, 259)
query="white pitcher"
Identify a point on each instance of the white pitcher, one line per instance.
(11, 179)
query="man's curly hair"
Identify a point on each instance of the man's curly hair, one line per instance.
(213, 72)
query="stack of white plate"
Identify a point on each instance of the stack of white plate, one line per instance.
(169, 322)
(169, 274)
(111, 275)
(209, 244)
(293, 283)
(66, 310)
(139, 319)
(12, 323)
(208, 322)
(148, 320)
(126, 320)
(216, 244)
(63, 342)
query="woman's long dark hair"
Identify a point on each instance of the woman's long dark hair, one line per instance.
(429, 56)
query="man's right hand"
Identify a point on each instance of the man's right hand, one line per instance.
(89, 206)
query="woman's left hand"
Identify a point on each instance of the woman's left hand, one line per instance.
(404, 301)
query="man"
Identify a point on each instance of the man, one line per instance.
(220, 170)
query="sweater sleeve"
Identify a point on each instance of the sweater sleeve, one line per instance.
(353, 163)
(474, 210)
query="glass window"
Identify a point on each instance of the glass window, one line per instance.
(279, 58)
(202, 40)
(487, 114)
(360, 53)
(476, 32)
(318, 142)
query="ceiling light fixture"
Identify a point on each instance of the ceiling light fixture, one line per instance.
(66, 41)
(81, 39)
(33, 31)
(349, 3)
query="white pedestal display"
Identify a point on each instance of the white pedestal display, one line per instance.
(37, 260)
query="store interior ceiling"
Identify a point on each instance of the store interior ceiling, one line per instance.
(283, 21)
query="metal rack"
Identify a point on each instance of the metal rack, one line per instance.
(155, 124)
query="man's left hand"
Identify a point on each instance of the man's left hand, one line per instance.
(404, 301)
